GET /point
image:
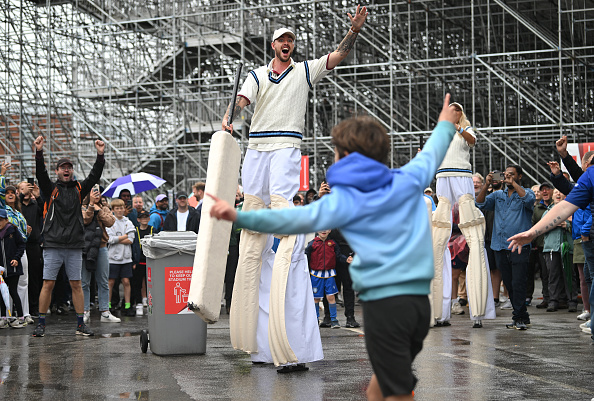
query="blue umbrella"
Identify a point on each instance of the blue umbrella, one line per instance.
(135, 183)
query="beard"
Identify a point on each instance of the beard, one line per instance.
(282, 56)
(496, 187)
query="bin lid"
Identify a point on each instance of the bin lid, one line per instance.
(168, 243)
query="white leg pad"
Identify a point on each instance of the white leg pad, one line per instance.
(243, 317)
(277, 331)
(472, 224)
(210, 259)
(441, 232)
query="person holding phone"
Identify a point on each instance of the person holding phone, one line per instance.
(454, 185)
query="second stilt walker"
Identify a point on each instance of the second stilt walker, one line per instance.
(454, 184)
(270, 177)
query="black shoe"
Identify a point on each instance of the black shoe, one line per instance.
(39, 331)
(62, 310)
(462, 302)
(300, 367)
(552, 307)
(542, 305)
(351, 322)
(517, 324)
(326, 322)
(83, 330)
(477, 324)
(572, 308)
(527, 321)
(445, 323)
(131, 312)
(562, 305)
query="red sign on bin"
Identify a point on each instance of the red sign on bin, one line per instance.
(177, 289)
(304, 176)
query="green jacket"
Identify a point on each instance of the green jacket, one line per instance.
(554, 238)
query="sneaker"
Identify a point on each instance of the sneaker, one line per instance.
(29, 319)
(506, 305)
(39, 331)
(496, 302)
(139, 310)
(108, 317)
(572, 308)
(457, 309)
(542, 305)
(584, 325)
(145, 302)
(87, 316)
(3, 323)
(527, 321)
(326, 322)
(553, 307)
(516, 324)
(83, 330)
(130, 312)
(335, 324)
(478, 324)
(445, 323)
(584, 316)
(528, 301)
(351, 322)
(587, 330)
(463, 301)
(17, 323)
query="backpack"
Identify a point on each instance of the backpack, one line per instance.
(162, 220)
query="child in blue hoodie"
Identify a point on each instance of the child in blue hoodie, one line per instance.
(392, 270)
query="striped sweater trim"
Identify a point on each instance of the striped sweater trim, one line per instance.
(454, 170)
(276, 134)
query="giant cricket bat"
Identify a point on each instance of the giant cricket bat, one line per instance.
(212, 244)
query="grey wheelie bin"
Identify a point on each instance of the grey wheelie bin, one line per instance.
(172, 328)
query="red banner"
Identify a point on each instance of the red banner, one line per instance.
(304, 176)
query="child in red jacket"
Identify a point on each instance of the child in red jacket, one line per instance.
(323, 254)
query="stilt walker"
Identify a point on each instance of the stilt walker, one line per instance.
(270, 178)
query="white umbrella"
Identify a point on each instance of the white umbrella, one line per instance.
(135, 183)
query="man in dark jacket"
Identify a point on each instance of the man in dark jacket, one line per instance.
(63, 229)
(183, 217)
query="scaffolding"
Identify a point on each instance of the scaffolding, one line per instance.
(153, 79)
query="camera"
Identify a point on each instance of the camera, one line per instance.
(498, 176)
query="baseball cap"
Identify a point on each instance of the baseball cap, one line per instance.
(144, 213)
(3, 214)
(181, 194)
(63, 161)
(11, 188)
(160, 197)
(280, 32)
(545, 184)
(428, 189)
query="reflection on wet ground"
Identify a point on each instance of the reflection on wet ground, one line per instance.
(550, 361)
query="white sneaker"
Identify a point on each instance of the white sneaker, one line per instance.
(585, 325)
(3, 323)
(587, 330)
(139, 310)
(87, 317)
(584, 316)
(17, 324)
(109, 318)
(457, 309)
(145, 302)
(507, 305)
(29, 319)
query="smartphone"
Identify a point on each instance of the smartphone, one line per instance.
(96, 188)
(7, 159)
(498, 176)
(129, 203)
(31, 180)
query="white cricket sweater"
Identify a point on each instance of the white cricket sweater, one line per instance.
(281, 100)
(457, 159)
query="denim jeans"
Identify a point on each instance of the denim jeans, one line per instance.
(102, 278)
(513, 268)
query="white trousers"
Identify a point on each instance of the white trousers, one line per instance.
(23, 287)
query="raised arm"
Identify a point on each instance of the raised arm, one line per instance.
(343, 49)
(574, 169)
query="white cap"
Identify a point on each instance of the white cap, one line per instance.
(457, 104)
(280, 32)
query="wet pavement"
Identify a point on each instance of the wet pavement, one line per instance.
(550, 361)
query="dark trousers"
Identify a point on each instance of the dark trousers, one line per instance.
(138, 276)
(535, 264)
(12, 282)
(343, 278)
(231, 268)
(557, 288)
(513, 268)
(544, 276)
(35, 258)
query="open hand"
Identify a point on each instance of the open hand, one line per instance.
(519, 240)
(221, 210)
(4, 168)
(359, 19)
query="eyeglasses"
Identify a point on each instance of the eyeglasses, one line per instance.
(66, 168)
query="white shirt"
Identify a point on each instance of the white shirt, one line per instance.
(182, 219)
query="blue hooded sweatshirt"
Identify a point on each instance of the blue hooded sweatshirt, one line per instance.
(156, 221)
(380, 212)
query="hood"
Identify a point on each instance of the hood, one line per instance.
(360, 172)
(154, 209)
